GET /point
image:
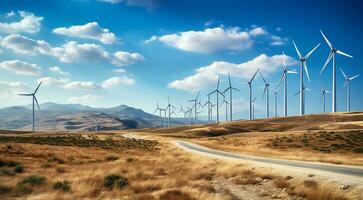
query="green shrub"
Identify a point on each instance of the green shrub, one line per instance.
(111, 158)
(19, 169)
(115, 180)
(65, 186)
(6, 172)
(34, 180)
(358, 150)
(8, 163)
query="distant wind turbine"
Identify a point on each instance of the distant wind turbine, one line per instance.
(284, 79)
(303, 65)
(266, 92)
(250, 88)
(332, 53)
(227, 104)
(230, 89)
(195, 107)
(347, 84)
(158, 109)
(217, 91)
(275, 94)
(322, 98)
(169, 107)
(36, 101)
(209, 108)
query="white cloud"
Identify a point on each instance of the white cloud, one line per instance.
(58, 70)
(29, 23)
(10, 14)
(70, 51)
(116, 81)
(20, 67)
(53, 81)
(119, 70)
(85, 99)
(216, 39)
(141, 3)
(24, 45)
(90, 31)
(82, 85)
(9, 90)
(208, 75)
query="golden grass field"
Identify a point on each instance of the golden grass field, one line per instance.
(109, 166)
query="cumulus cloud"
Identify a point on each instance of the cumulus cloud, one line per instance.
(21, 68)
(14, 87)
(52, 81)
(119, 70)
(70, 52)
(89, 31)
(24, 45)
(58, 70)
(85, 99)
(29, 23)
(116, 81)
(216, 39)
(208, 75)
(82, 85)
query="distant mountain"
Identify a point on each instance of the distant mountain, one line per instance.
(77, 117)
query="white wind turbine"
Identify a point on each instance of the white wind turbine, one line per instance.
(217, 94)
(36, 101)
(303, 65)
(169, 107)
(332, 53)
(253, 108)
(250, 88)
(347, 84)
(195, 107)
(158, 109)
(322, 98)
(284, 79)
(266, 92)
(275, 94)
(209, 108)
(230, 88)
(227, 104)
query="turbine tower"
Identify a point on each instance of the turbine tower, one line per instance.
(36, 101)
(253, 108)
(347, 84)
(250, 87)
(195, 107)
(217, 93)
(332, 54)
(284, 79)
(158, 109)
(230, 89)
(227, 104)
(209, 108)
(322, 98)
(266, 92)
(275, 94)
(169, 107)
(303, 65)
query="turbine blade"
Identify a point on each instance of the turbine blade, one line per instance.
(345, 83)
(25, 94)
(326, 40)
(308, 55)
(37, 87)
(297, 50)
(282, 78)
(233, 88)
(262, 78)
(327, 61)
(297, 93)
(255, 74)
(306, 70)
(219, 77)
(36, 101)
(198, 95)
(321, 97)
(327, 91)
(344, 54)
(264, 92)
(351, 78)
(229, 80)
(307, 89)
(227, 89)
(345, 76)
(254, 99)
(291, 72)
(284, 60)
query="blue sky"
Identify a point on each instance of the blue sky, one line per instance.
(137, 52)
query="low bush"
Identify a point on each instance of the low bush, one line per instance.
(34, 180)
(111, 158)
(64, 186)
(19, 169)
(113, 180)
(358, 150)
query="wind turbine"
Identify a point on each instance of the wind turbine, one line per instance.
(227, 104)
(34, 99)
(250, 87)
(332, 54)
(195, 107)
(168, 107)
(163, 110)
(275, 94)
(253, 108)
(284, 79)
(303, 65)
(347, 84)
(266, 92)
(158, 109)
(322, 98)
(230, 89)
(217, 93)
(299, 92)
(209, 107)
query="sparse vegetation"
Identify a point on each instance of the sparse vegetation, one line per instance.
(64, 186)
(19, 169)
(113, 180)
(34, 180)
